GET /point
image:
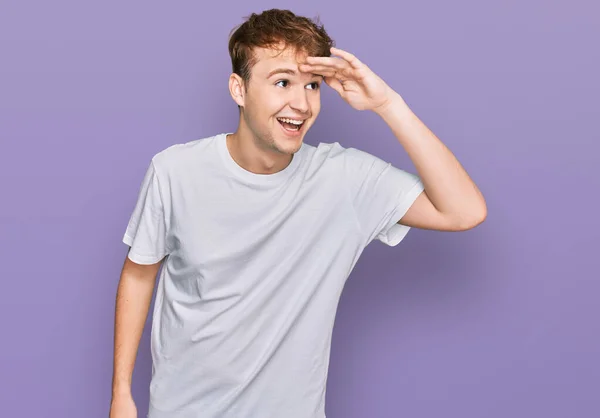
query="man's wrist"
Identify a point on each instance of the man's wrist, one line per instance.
(121, 389)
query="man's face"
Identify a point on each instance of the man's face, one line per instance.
(277, 92)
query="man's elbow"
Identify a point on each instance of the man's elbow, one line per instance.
(473, 218)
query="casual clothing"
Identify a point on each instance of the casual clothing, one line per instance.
(255, 265)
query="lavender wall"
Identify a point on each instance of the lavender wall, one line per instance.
(501, 321)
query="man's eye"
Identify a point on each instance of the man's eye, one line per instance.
(315, 85)
(282, 81)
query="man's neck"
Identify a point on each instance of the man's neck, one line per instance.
(244, 150)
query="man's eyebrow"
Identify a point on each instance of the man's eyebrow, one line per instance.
(287, 71)
(281, 71)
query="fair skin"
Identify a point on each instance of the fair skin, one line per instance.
(134, 295)
(260, 144)
(450, 202)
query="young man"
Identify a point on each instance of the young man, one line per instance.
(257, 232)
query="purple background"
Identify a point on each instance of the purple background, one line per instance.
(500, 321)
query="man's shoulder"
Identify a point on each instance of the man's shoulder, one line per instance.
(327, 150)
(178, 154)
(336, 151)
(182, 149)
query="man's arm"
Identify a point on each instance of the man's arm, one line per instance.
(451, 201)
(134, 295)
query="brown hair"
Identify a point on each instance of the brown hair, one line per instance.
(270, 28)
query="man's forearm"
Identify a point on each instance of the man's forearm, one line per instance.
(134, 295)
(447, 184)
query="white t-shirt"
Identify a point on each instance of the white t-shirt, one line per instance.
(255, 265)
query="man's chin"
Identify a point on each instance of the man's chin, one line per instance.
(290, 146)
(287, 144)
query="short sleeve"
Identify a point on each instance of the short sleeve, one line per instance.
(381, 194)
(146, 230)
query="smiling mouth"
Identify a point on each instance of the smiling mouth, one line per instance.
(291, 125)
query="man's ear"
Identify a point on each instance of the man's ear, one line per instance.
(237, 89)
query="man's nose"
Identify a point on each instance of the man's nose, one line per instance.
(299, 101)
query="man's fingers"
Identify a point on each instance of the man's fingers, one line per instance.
(318, 69)
(335, 84)
(345, 73)
(354, 62)
(336, 63)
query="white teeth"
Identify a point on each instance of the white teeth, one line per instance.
(295, 122)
